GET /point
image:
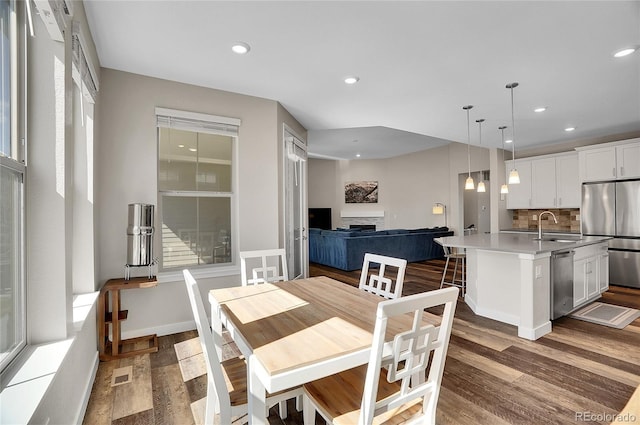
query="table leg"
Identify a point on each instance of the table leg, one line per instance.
(102, 334)
(216, 327)
(257, 394)
(115, 323)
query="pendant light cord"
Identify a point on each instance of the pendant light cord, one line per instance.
(468, 144)
(501, 128)
(513, 129)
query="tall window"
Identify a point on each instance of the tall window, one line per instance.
(12, 169)
(195, 184)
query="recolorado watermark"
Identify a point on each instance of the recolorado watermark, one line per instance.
(605, 417)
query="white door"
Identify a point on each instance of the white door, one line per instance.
(295, 216)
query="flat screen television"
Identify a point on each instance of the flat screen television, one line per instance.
(320, 218)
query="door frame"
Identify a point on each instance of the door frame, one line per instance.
(304, 216)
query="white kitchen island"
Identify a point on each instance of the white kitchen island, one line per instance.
(509, 278)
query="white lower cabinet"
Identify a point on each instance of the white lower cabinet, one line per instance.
(579, 282)
(603, 267)
(590, 273)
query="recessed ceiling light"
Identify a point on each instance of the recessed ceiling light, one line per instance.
(181, 146)
(508, 141)
(351, 80)
(357, 155)
(241, 48)
(569, 129)
(540, 109)
(624, 52)
(193, 149)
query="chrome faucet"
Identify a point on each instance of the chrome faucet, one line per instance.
(540, 222)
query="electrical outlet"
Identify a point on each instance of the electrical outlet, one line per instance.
(535, 217)
(538, 271)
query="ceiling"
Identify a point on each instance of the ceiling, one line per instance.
(418, 62)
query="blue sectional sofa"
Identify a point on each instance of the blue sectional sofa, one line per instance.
(345, 248)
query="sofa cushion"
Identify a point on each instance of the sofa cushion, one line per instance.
(397, 231)
(340, 233)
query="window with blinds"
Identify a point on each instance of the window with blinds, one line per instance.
(195, 187)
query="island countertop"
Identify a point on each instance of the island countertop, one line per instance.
(520, 243)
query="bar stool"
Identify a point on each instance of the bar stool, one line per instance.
(460, 256)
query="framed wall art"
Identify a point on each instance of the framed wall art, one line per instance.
(365, 192)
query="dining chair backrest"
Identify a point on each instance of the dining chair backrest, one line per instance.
(410, 354)
(263, 266)
(215, 375)
(379, 284)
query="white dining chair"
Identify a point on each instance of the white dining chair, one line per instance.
(387, 286)
(402, 392)
(227, 380)
(262, 266)
(268, 265)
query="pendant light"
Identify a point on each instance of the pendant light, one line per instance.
(504, 188)
(468, 184)
(481, 186)
(514, 177)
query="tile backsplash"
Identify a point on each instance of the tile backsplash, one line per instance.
(568, 220)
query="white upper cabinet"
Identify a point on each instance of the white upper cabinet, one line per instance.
(611, 161)
(543, 183)
(567, 181)
(549, 181)
(519, 196)
(628, 160)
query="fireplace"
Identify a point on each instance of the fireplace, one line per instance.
(363, 226)
(363, 218)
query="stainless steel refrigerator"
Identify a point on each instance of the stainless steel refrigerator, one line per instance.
(613, 209)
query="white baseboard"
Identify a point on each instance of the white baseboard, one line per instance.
(497, 315)
(534, 333)
(87, 391)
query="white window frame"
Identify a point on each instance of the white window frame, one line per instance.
(16, 162)
(203, 123)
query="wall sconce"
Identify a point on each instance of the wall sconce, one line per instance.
(440, 209)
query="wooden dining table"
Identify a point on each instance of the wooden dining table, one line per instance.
(298, 331)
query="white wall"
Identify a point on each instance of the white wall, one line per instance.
(59, 225)
(409, 185)
(322, 187)
(47, 192)
(127, 172)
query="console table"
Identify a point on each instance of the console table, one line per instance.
(109, 313)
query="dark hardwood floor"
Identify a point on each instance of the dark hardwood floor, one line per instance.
(579, 371)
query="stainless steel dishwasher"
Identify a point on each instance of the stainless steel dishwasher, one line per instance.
(561, 283)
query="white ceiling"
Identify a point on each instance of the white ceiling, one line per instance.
(419, 62)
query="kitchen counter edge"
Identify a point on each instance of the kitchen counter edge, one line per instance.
(521, 243)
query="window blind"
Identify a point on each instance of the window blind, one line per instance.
(82, 70)
(296, 150)
(193, 121)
